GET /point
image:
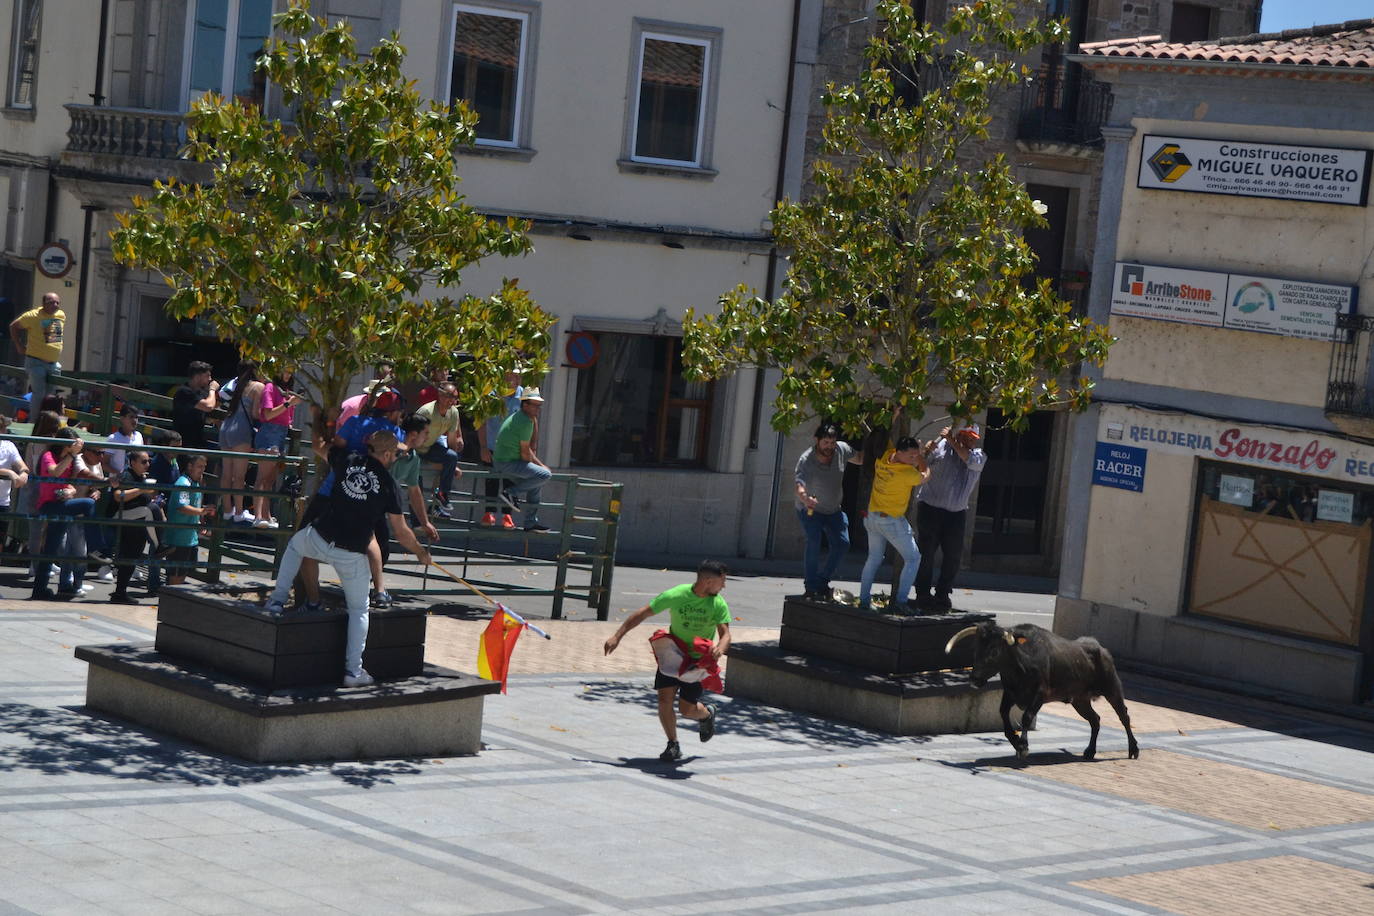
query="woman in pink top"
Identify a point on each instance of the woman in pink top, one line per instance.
(58, 501)
(276, 409)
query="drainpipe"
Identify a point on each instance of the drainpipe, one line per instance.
(98, 96)
(771, 282)
(82, 297)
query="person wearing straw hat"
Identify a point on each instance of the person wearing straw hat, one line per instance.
(955, 461)
(364, 492)
(514, 456)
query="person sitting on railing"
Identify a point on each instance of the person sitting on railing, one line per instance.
(57, 500)
(514, 456)
(95, 538)
(125, 433)
(133, 495)
(442, 442)
(185, 508)
(14, 473)
(37, 336)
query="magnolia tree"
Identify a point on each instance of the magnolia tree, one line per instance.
(909, 265)
(313, 242)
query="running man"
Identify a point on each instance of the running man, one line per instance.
(695, 610)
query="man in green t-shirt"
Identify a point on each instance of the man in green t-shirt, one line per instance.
(694, 610)
(514, 457)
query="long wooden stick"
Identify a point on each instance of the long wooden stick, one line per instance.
(496, 604)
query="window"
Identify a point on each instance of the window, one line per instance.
(24, 57)
(673, 92)
(1191, 23)
(224, 40)
(633, 407)
(490, 51)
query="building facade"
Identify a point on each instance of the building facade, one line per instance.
(646, 140)
(1220, 506)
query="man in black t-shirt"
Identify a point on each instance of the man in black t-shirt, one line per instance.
(364, 492)
(192, 402)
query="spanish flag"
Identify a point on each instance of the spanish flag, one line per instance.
(497, 644)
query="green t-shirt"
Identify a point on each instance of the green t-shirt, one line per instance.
(692, 616)
(519, 427)
(405, 470)
(184, 537)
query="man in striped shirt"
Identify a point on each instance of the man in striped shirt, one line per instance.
(955, 461)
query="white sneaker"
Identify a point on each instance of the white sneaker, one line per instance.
(262, 523)
(361, 679)
(246, 517)
(272, 523)
(275, 608)
(106, 574)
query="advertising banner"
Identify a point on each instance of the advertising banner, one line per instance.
(1317, 174)
(1291, 308)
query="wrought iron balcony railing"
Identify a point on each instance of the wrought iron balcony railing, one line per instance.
(1062, 103)
(1350, 381)
(125, 131)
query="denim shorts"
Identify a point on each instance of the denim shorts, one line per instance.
(271, 437)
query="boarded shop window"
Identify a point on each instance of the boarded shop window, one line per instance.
(28, 16)
(1283, 552)
(634, 408)
(489, 70)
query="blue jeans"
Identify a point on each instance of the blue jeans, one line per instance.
(834, 526)
(526, 480)
(448, 461)
(61, 514)
(354, 578)
(38, 371)
(895, 530)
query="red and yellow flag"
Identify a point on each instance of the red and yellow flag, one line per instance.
(497, 644)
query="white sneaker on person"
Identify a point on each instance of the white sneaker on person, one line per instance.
(106, 574)
(359, 679)
(246, 517)
(275, 608)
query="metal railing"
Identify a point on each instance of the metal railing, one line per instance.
(1062, 103)
(1350, 380)
(125, 131)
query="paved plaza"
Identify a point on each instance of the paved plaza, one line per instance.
(1233, 807)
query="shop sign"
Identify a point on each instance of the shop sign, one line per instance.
(1291, 308)
(1317, 174)
(1120, 466)
(1335, 506)
(1238, 491)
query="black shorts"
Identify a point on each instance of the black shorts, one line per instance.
(689, 692)
(184, 555)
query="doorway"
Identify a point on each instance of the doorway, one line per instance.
(1011, 495)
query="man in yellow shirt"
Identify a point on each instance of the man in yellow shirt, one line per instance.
(899, 471)
(37, 336)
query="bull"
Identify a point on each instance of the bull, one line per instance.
(1038, 667)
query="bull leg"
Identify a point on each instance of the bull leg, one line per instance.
(1119, 704)
(1027, 723)
(1018, 744)
(1084, 705)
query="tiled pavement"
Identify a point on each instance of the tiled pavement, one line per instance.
(1232, 808)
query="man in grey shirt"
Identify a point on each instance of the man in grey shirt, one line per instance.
(955, 462)
(820, 486)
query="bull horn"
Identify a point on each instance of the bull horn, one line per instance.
(966, 631)
(1011, 640)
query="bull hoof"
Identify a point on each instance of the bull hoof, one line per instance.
(1134, 752)
(1089, 753)
(1022, 752)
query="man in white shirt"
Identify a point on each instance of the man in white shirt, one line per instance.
(125, 434)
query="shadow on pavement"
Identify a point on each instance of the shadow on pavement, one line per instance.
(754, 720)
(64, 741)
(651, 766)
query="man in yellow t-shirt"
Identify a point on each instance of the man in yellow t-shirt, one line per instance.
(899, 471)
(37, 336)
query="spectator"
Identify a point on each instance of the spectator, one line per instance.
(361, 404)
(236, 434)
(191, 404)
(186, 508)
(14, 474)
(437, 379)
(96, 537)
(275, 413)
(442, 442)
(37, 336)
(126, 433)
(45, 427)
(58, 501)
(134, 493)
(486, 439)
(515, 458)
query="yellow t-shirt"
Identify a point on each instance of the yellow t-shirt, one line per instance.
(44, 334)
(892, 485)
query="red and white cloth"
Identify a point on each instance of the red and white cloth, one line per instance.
(675, 660)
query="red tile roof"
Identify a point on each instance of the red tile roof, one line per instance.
(1347, 44)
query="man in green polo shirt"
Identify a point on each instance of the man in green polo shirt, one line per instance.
(514, 457)
(695, 610)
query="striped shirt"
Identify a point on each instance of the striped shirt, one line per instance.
(951, 479)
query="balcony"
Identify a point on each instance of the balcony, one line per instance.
(1062, 104)
(125, 145)
(1350, 381)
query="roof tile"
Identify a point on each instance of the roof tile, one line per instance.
(1347, 44)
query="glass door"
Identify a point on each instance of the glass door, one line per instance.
(223, 42)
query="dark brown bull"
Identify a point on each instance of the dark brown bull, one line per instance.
(1038, 667)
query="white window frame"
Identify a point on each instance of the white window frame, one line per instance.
(16, 54)
(707, 88)
(526, 18)
(226, 77)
